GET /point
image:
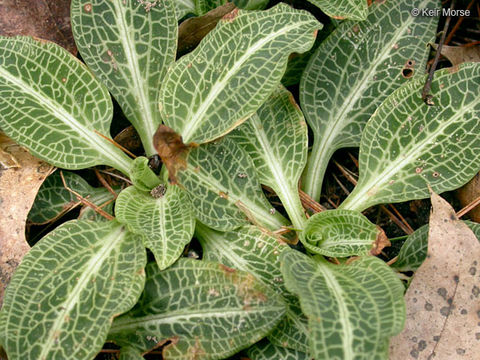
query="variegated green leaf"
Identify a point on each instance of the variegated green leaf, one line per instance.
(348, 9)
(414, 250)
(129, 44)
(251, 4)
(166, 222)
(252, 250)
(276, 138)
(221, 181)
(352, 309)
(408, 145)
(52, 104)
(130, 354)
(204, 6)
(342, 233)
(231, 73)
(265, 350)
(53, 199)
(354, 70)
(184, 7)
(208, 310)
(62, 298)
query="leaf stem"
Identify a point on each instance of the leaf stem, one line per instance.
(290, 199)
(316, 166)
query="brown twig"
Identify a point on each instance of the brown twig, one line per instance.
(392, 261)
(116, 176)
(105, 183)
(309, 204)
(402, 219)
(426, 96)
(469, 207)
(85, 201)
(125, 150)
(399, 221)
(345, 190)
(458, 23)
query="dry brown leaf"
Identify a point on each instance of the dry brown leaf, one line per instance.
(45, 19)
(460, 54)
(193, 30)
(171, 149)
(443, 303)
(18, 188)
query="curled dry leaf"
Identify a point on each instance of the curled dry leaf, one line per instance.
(46, 19)
(171, 150)
(193, 30)
(18, 188)
(443, 298)
(460, 54)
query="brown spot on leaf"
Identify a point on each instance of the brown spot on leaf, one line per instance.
(408, 69)
(226, 269)
(230, 16)
(223, 195)
(171, 150)
(87, 7)
(380, 243)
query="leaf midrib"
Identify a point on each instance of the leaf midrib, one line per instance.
(377, 181)
(192, 126)
(100, 147)
(343, 313)
(254, 208)
(90, 269)
(138, 87)
(327, 143)
(176, 316)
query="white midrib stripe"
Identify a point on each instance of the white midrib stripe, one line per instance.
(219, 245)
(218, 242)
(343, 313)
(102, 147)
(172, 317)
(90, 269)
(192, 122)
(356, 93)
(416, 151)
(138, 86)
(280, 182)
(268, 219)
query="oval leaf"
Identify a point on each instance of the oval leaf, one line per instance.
(65, 293)
(265, 350)
(407, 144)
(52, 104)
(343, 9)
(252, 250)
(342, 233)
(214, 88)
(208, 310)
(352, 309)
(276, 138)
(354, 70)
(53, 199)
(221, 181)
(414, 249)
(166, 222)
(129, 44)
